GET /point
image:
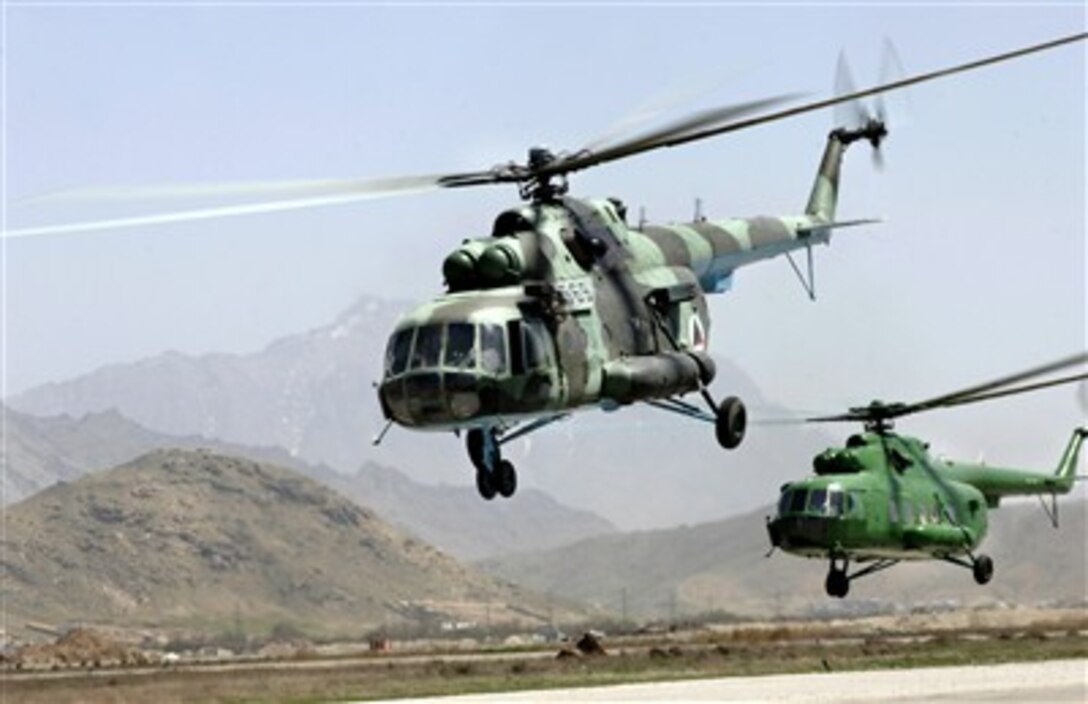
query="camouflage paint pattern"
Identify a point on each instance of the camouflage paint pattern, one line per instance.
(576, 271)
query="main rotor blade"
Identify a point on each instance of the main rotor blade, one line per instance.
(278, 196)
(658, 141)
(990, 389)
(664, 136)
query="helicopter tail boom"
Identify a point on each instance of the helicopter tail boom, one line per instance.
(996, 483)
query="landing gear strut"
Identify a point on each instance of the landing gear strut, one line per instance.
(494, 475)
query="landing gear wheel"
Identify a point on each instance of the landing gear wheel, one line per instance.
(983, 569)
(731, 422)
(485, 484)
(837, 584)
(505, 479)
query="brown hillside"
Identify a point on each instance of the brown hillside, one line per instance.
(192, 538)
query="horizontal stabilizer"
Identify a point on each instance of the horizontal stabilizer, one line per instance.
(809, 229)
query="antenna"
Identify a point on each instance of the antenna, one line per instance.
(699, 217)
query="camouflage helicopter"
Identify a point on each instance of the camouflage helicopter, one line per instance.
(882, 499)
(566, 305)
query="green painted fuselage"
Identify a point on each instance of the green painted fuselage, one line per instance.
(875, 500)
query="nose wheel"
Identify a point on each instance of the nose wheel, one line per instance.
(837, 583)
(494, 475)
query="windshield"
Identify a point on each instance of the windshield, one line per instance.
(396, 355)
(453, 346)
(460, 346)
(428, 347)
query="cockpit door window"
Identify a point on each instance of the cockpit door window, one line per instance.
(536, 350)
(492, 349)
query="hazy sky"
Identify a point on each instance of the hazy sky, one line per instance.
(978, 270)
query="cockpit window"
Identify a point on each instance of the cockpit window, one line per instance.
(428, 347)
(396, 356)
(797, 502)
(817, 501)
(492, 349)
(461, 346)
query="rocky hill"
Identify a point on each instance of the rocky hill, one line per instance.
(191, 538)
(42, 451)
(455, 519)
(311, 395)
(723, 566)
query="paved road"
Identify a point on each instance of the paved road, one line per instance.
(1051, 681)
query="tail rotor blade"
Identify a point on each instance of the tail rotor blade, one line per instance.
(850, 114)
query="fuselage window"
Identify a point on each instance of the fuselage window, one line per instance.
(492, 349)
(784, 502)
(854, 505)
(428, 347)
(396, 357)
(461, 346)
(817, 501)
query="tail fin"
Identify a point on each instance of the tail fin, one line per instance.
(1067, 466)
(825, 189)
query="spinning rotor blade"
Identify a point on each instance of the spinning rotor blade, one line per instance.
(676, 137)
(275, 196)
(1004, 386)
(667, 136)
(849, 114)
(999, 387)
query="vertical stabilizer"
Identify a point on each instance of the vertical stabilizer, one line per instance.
(1067, 466)
(825, 190)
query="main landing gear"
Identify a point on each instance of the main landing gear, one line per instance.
(981, 566)
(729, 417)
(838, 581)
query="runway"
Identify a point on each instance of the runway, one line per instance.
(1048, 681)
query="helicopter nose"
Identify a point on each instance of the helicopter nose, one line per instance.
(433, 398)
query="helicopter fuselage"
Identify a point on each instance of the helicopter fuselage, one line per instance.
(566, 306)
(883, 499)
